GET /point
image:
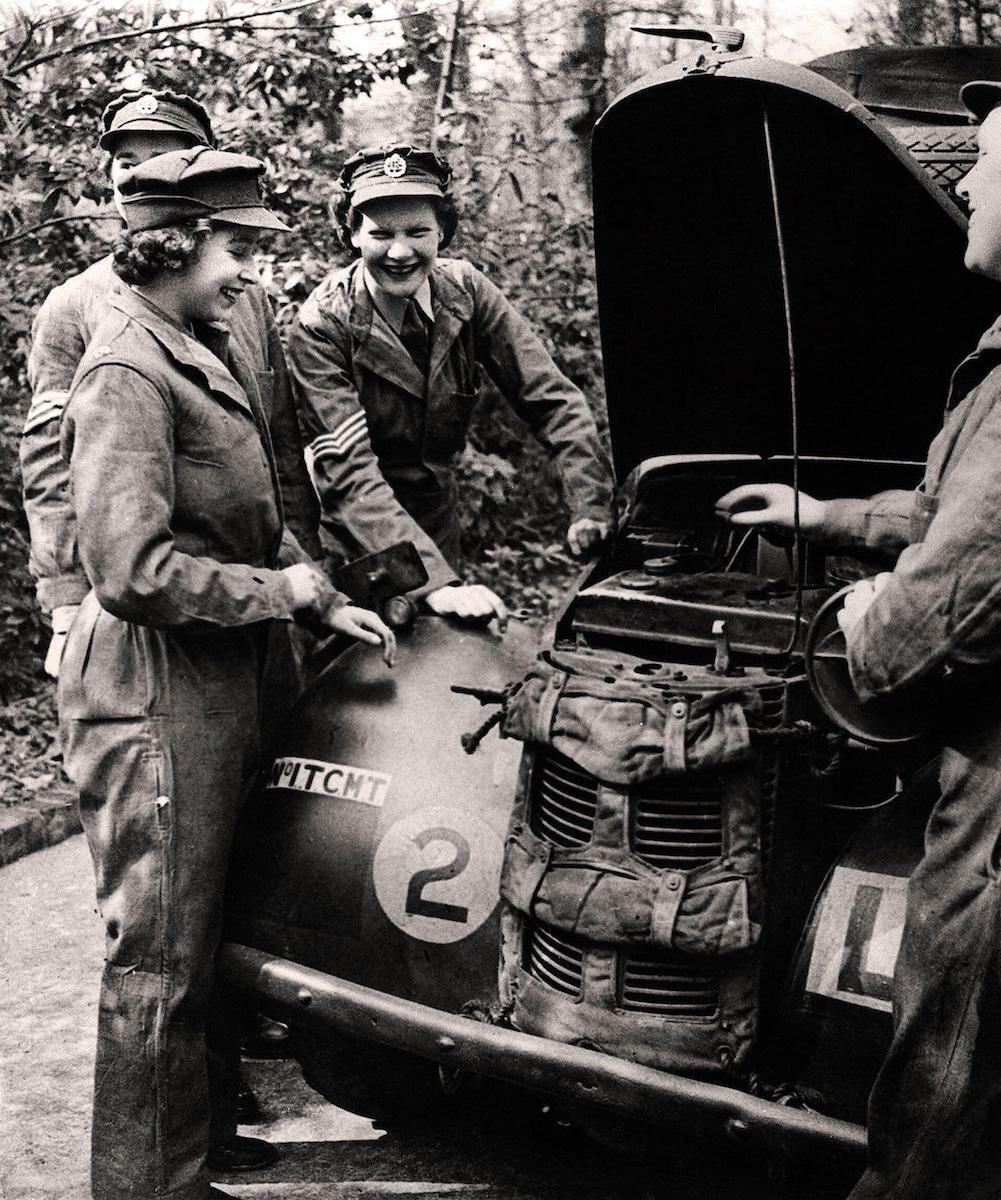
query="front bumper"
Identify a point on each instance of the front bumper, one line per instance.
(571, 1072)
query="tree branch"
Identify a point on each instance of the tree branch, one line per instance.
(153, 30)
(30, 26)
(30, 229)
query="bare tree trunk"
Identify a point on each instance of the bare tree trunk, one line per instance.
(956, 13)
(443, 96)
(977, 10)
(534, 95)
(584, 61)
(914, 19)
(420, 32)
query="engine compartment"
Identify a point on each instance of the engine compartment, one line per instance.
(675, 570)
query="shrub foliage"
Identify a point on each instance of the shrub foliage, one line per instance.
(276, 84)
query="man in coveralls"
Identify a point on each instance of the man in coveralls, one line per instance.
(935, 1110)
(137, 126)
(386, 356)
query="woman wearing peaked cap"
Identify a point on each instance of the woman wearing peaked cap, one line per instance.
(386, 356)
(933, 1113)
(137, 126)
(179, 528)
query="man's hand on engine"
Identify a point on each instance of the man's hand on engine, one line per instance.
(62, 619)
(585, 536)
(771, 505)
(471, 602)
(859, 599)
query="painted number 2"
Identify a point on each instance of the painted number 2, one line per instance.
(416, 904)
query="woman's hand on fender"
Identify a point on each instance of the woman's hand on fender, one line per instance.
(771, 504)
(471, 602)
(364, 626)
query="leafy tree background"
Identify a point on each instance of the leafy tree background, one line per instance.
(277, 85)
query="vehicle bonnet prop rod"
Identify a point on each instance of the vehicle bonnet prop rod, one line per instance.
(797, 544)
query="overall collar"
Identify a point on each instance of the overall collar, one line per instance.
(392, 308)
(380, 351)
(208, 357)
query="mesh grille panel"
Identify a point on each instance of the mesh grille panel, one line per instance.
(677, 823)
(564, 802)
(554, 958)
(668, 985)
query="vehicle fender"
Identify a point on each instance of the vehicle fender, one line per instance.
(373, 849)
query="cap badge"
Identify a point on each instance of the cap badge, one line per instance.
(395, 166)
(147, 106)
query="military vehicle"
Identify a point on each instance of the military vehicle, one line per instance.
(666, 877)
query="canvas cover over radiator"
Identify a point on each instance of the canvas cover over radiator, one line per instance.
(604, 898)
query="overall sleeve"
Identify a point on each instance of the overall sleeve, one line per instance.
(299, 500)
(354, 495)
(118, 437)
(942, 603)
(882, 522)
(519, 364)
(57, 345)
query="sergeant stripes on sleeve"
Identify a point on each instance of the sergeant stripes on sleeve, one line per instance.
(339, 441)
(45, 406)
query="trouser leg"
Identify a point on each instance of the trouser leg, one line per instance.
(934, 1109)
(159, 800)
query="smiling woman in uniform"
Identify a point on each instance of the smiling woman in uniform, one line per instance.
(179, 524)
(386, 357)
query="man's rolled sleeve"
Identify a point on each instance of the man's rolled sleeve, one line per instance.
(519, 364)
(883, 522)
(942, 603)
(118, 435)
(354, 496)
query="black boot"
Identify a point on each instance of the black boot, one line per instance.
(242, 1154)
(264, 1038)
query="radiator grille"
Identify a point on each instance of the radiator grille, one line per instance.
(668, 985)
(554, 958)
(678, 824)
(674, 823)
(656, 982)
(564, 802)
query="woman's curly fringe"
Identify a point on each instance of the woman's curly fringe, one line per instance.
(348, 219)
(141, 258)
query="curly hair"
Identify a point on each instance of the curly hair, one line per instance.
(143, 257)
(348, 218)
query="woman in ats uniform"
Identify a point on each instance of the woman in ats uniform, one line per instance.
(176, 496)
(386, 358)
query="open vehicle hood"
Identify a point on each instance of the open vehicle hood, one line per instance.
(694, 169)
(922, 81)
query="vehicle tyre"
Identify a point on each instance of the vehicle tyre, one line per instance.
(388, 1086)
